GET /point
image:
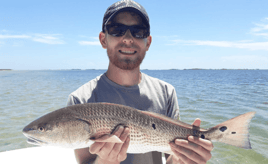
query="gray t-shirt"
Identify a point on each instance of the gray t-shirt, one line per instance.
(150, 95)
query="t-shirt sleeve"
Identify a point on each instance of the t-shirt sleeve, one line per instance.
(173, 106)
(72, 100)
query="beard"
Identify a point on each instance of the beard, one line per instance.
(124, 62)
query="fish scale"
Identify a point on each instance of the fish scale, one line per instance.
(140, 141)
(140, 134)
(85, 124)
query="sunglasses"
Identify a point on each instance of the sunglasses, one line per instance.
(118, 29)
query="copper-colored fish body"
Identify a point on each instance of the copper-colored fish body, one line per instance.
(79, 126)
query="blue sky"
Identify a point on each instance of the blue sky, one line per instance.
(36, 35)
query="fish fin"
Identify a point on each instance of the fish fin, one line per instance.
(108, 138)
(86, 123)
(86, 127)
(234, 131)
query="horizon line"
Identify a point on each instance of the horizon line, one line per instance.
(78, 69)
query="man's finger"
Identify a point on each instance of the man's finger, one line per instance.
(118, 131)
(204, 143)
(125, 134)
(197, 122)
(187, 155)
(208, 145)
(197, 148)
(123, 153)
(96, 147)
(108, 146)
(103, 149)
(179, 156)
(117, 147)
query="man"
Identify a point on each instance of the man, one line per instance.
(126, 36)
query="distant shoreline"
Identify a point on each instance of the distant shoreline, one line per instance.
(195, 69)
(5, 69)
(222, 69)
(213, 69)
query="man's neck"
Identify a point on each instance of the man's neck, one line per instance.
(124, 77)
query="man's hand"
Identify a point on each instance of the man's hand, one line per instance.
(193, 151)
(112, 152)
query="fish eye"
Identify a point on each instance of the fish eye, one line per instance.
(41, 129)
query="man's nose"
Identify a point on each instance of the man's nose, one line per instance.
(128, 38)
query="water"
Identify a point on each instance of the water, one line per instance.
(211, 95)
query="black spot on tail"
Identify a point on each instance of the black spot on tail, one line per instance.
(153, 125)
(233, 132)
(202, 136)
(223, 128)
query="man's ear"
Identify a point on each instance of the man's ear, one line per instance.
(103, 40)
(149, 41)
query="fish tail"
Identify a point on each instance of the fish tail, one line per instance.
(233, 132)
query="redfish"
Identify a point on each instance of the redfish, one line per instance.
(79, 126)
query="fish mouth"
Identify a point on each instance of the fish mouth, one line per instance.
(35, 141)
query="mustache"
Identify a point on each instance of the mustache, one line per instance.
(123, 45)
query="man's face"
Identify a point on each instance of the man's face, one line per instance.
(126, 52)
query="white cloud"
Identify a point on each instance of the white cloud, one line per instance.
(167, 36)
(238, 44)
(14, 36)
(91, 43)
(47, 38)
(262, 34)
(43, 38)
(261, 29)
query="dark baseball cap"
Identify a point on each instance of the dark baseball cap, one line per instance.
(125, 5)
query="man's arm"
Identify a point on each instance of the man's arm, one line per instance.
(105, 152)
(193, 150)
(83, 156)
